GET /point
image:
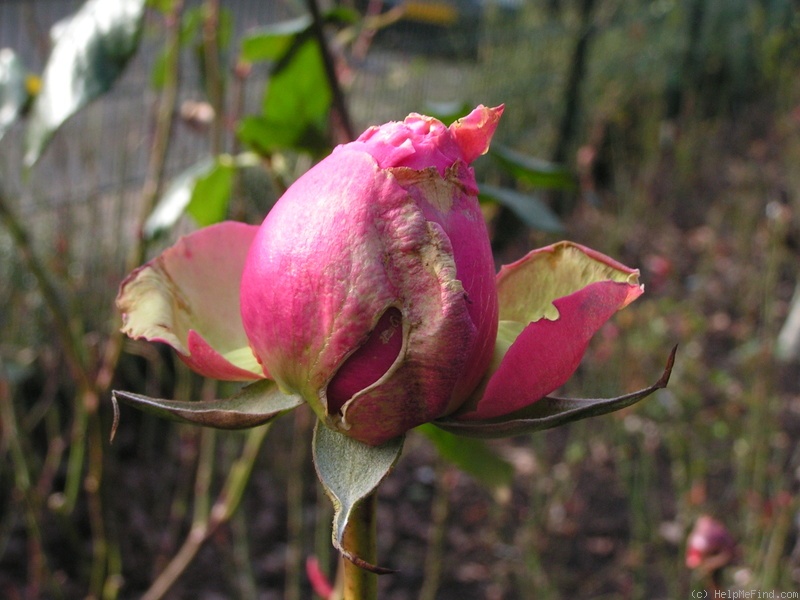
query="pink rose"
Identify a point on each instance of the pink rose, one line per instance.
(370, 291)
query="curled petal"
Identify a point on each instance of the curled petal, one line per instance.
(474, 132)
(528, 288)
(188, 297)
(420, 142)
(551, 304)
(419, 386)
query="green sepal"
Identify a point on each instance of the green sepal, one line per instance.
(253, 405)
(350, 471)
(551, 412)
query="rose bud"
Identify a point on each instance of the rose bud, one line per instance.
(369, 290)
(710, 546)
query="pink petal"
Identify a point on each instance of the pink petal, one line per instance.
(551, 304)
(311, 300)
(420, 142)
(367, 364)
(474, 132)
(546, 353)
(188, 297)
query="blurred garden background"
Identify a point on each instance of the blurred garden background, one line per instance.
(663, 133)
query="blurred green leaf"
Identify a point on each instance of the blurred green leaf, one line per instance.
(13, 93)
(341, 15)
(212, 194)
(90, 51)
(203, 190)
(273, 41)
(298, 91)
(295, 107)
(533, 171)
(350, 471)
(163, 6)
(176, 198)
(532, 211)
(255, 404)
(447, 112)
(471, 456)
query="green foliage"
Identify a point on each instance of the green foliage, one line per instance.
(471, 456)
(720, 440)
(530, 209)
(90, 52)
(298, 97)
(447, 112)
(273, 42)
(192, 30)
(181, 191)
(204, 191)
(13, 92)
(532, 171)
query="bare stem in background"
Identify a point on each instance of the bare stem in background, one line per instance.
(206, 522)
(295, 506)
(343, 126)
(213, 72)
(69, 339)
(85, 418)
(165, 117)
(11, 443)
(440, 508)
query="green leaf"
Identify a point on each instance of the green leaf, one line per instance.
(552, 412)
(267, 136)
(341, 15)
(298, 98)
(533, 171)
(447, 112)
(270, 43)
(531, 211)
(297, 101)
(203, 190)
(163, 6)
(176, 198)
(13, 94)
(471, 456)
(350, 471)
(253, 405)
(212, 194)
(90, 52)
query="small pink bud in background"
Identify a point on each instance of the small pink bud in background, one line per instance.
(710, 546)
